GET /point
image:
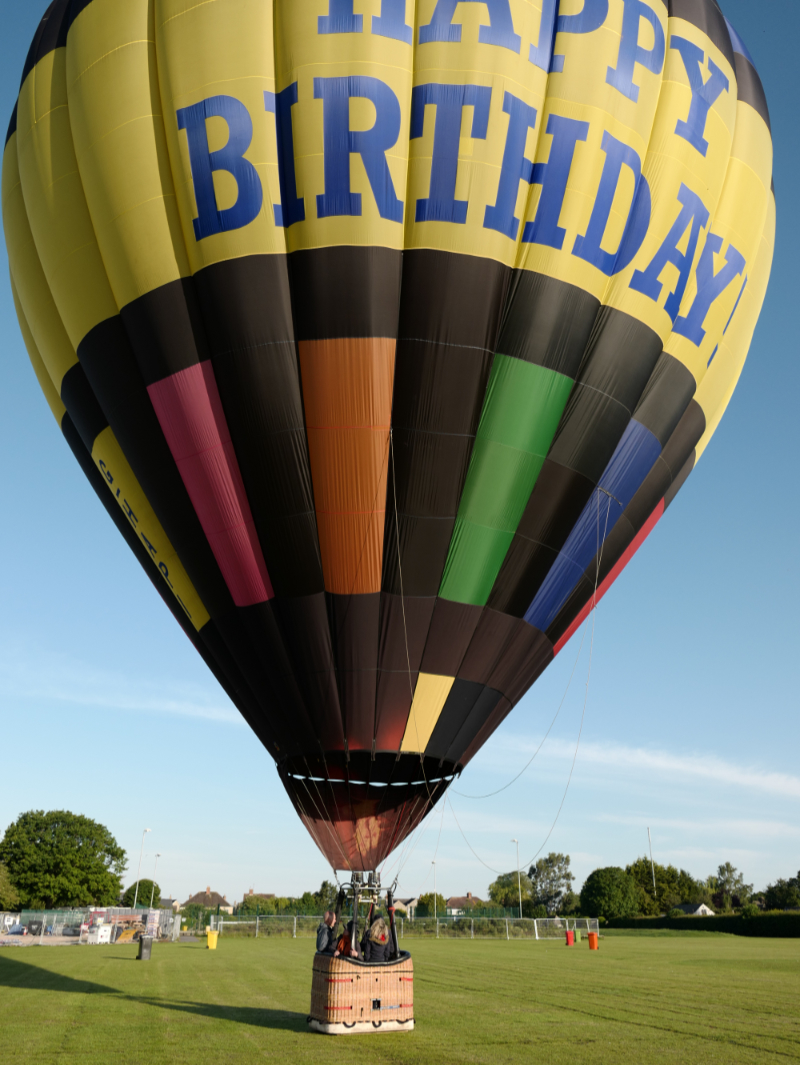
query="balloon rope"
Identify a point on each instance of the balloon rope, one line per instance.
(600, 548)
(489, 794)
(461, 830)
(599, 556)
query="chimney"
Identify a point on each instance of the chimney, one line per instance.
(251, 891)
(469, 894)
(208, 891)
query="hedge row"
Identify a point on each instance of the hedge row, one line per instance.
(777, 926)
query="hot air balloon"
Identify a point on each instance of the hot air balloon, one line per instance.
(386, 331)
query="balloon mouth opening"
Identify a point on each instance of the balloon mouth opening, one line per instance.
(385, 768)
(359, 809)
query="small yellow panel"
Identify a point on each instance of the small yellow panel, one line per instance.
(429, 699)
(113, 465)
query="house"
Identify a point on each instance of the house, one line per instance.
(458, 905)
(256, 896)
(209, 900)
(406, 907)
(169, 904)
(692, 909)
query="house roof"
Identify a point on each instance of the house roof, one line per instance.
(167, 904)
(462, 902)
(408, 902)
(207, 898)
(693, 908)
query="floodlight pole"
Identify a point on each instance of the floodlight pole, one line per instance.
(435, 914)
(153, 892)
(519, 879)
(139, 870)
(652, 867)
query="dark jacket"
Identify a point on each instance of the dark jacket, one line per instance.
(326, 939)
(378, 951)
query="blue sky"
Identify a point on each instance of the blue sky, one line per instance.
(691, 722)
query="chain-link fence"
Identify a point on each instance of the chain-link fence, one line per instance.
(420, 928)
(106, 925)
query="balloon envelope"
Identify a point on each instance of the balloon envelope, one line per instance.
(386, 332)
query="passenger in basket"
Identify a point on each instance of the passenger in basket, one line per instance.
(326, 935)
(346, 945)
(378, 945)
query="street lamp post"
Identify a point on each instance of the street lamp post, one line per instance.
(139, 870)
(435, 913)
(153, 892)
(519, 879)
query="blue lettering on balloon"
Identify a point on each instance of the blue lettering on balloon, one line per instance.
(340, 18)
(710, 287)
(205, 163)
(590, 18)
(588, 247)
(340, 142)
(540, 54)
(694, 214)
(500, 30)
(390, 23)
(553, 177)
(704, 93)
(516, 167)
(449, 101)
(631, 52)
(291, 209)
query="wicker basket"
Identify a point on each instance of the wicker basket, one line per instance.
(350, 996)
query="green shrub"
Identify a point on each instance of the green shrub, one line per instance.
(611, 892)
(676, 912)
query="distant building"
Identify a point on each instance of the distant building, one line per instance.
(209, 900)
(257, 895)
(691, 909)
(458, 905)
(406, 907)
(169, 904)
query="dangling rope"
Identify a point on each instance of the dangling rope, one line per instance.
(599, 557)
(489, 794)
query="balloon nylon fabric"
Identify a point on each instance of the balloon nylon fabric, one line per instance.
(249, 240)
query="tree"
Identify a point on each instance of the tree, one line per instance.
(143, 897)
(9, 896)
(325, 898)
(62, 859)
(505, 890)
(610, 892)
(783, 894)
(730, 883)
(570, 905)
(673, 887)
(551, 880)
(425, 905)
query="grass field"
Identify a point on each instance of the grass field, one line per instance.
(684, 998)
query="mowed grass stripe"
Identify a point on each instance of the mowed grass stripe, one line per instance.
(698, 998)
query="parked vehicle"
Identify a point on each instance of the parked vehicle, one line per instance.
(71, 930)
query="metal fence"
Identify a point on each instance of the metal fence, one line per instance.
(73, 923)
(420, 928)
